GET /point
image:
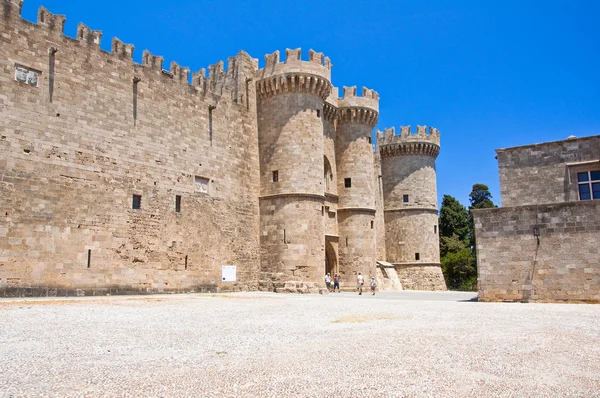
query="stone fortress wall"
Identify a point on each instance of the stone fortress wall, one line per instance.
(98, 128)
(243, 166)
(542, 245)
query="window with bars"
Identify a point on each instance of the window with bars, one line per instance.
(589, 185)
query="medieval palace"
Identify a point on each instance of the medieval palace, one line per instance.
(118, 177)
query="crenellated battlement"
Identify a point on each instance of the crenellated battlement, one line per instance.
(294, 75)
(369, 99)
(226, 83)
(86, 35)
(421, 143)
(52, 22)
(359, 110)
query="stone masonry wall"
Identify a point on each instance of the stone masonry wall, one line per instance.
(70, 167)
(545, 173)
(409, 232)
(421, 277)
(356, 246)
(292, 239)
(564, 266)
(414, 176)
(379, 218)
(291, 143)
(354, 156)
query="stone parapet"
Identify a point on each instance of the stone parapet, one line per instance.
(422, 143)
(359, 110)
(294, 75)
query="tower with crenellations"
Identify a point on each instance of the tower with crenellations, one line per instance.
(410, 205)
(119, 176)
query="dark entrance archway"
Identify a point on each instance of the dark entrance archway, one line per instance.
(331, 265)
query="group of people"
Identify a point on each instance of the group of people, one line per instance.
(360, 282)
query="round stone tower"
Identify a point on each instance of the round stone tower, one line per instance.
(291, 95)
(410, 206)
(357, 117)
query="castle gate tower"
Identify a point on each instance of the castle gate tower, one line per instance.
(356, 206)
(290, 122)
(410, 206)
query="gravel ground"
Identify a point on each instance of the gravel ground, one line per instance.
(269, 345)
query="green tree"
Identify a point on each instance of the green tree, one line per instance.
(454, 218)
(459, 269)
(458, 265)
(480, 197)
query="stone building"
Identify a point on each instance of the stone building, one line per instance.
(121, 177)
(543, 244)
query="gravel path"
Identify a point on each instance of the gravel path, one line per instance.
(269, 345)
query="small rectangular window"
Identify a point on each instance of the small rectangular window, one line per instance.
(275, 175)
(347, 182)
(370, 140)
(177, 203)
(372, 224)
(137, 202)
(435, 229)
(417, 256)
(318, 113)
(405, 198)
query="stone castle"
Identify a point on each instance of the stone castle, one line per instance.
(118, 177)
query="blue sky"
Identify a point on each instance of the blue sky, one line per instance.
(487, 74)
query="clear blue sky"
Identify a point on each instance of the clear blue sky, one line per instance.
(487, 74)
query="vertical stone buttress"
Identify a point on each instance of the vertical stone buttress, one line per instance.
(356, 206)
(410, 206)
(290, 122)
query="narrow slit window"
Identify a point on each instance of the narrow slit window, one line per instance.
(417, 256)
(435, 229)
(210, 122)
(51, 64)
(346, 242)
(372, 224)
(185, 265)
(177, 203)
(89, 258)
(275, 175)
(370, 140)
(318, 113)
(136, 80)
(136, 202)
(347, 182)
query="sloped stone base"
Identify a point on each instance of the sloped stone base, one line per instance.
(421, 276)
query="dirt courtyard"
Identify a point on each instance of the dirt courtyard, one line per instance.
(413, 344)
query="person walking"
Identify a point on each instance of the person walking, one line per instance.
(328, 281)
(360, 281)
(373, 284)
(336, 282)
